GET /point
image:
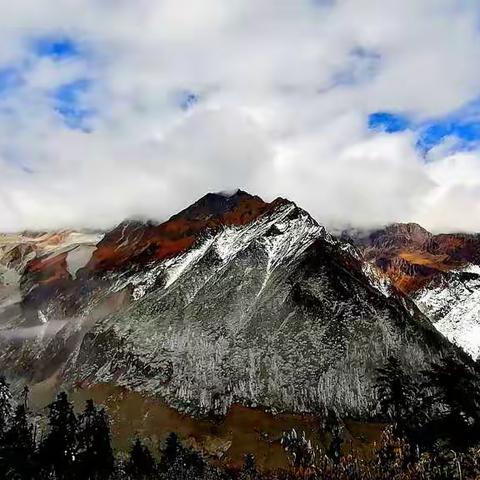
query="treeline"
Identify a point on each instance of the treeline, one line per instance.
(433, 434)
(66, 446)
(436, 408)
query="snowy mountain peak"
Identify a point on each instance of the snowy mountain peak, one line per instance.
(233, 300)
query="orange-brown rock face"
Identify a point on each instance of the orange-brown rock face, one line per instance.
(140, 243)
(41, 266)
(48, 270)
(132, 244)
(411, 256)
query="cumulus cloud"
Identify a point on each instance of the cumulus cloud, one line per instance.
(279, 97)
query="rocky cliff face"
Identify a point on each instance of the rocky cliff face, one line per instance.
(233, 300)
(29, 260)
(452, 301)
(439, 272)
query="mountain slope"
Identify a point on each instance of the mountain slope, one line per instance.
(453, 303)
(28, 254)
(233, 300)
(441, 273)
(273, 312)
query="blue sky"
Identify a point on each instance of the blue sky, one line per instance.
(68, 99)
(10, 78)
(55, 47)
(461, 127)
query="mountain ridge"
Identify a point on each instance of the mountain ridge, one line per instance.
(441, 273)
(232, 300)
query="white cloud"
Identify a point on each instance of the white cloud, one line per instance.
(453, 203)
(271, 118)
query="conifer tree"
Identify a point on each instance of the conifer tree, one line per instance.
(141, 464)
(333, 425)
(59, 448)
(179, 461)
(171, 451)
(6, 405)
(20, 447)
(397, 395)
(95, 458)
(457, 395)
(249, 470)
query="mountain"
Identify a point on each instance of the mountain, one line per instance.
(65, 252)
(441, 273)
(231, 301)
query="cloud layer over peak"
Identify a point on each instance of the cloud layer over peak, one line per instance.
(110, 109)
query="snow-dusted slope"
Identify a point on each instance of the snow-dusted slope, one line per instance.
(453, 304)
(441, 273)
(279, 237)
(274, 313)
(232, 300)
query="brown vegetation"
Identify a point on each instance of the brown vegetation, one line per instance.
(227, 439)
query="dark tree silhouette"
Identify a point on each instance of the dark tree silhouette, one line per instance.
(172, 450)
(58, 450)
(19, 448)
(456, 395)
(141, 464)
(95, 458)
(397, 396)
(333, 425)
(6, 406)
(249, 470)
(179, 461)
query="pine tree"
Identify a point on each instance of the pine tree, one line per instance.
(179, 461)
(397, 395)
(95, 456)
(141, 464)
(334, 451)
(457, 395)
(59, 448)
(6, 407)
(20, 447)
(171, 451)
(334, 427)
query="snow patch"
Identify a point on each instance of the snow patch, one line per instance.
(175, 267)
(78, 258)
(454, 308)
(377, 279)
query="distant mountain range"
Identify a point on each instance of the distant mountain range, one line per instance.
(441, 273)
